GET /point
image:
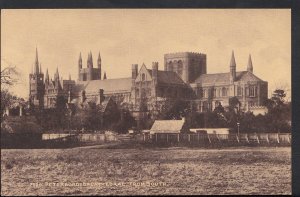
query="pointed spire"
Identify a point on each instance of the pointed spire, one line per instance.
(104, 76)
(36, 69)
(232, 68)
(232, 61)
(80, 61)
(80, 58)
(99, 57)
(91, 60)
(250, 66)
(40, 67)
(47, 76)
(56, 76)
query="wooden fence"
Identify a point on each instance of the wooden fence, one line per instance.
(260, 139)
(80, 137)
(219, 139)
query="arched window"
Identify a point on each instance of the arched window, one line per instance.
(239, 91)
(252, 91)
(214, 92)
(179, 67)
(224, 92)
(143, 77)
(170, 66)
(204, 93)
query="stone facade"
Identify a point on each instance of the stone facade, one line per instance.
(184, 77)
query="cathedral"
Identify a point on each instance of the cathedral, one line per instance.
(184, 77)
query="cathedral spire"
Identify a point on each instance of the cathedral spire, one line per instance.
(56, 76)
(47, 75)
(104, 76)
(91, 60)
(232, 68)
(36, 69)
(80, 61)
(99, 65)
(232, 61)
(250, 66)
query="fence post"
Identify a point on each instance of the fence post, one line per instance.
(257, 138)
(247, 138)
(268, 138)
(278, 138)
(167, 138)
(178, 137)
(144, 137)
(208, 138)
(189, 137)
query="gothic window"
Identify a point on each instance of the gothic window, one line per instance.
(204, 93)
(179, 67)
(239, 91)
(143, 77)
(252, 91)
(214, 92)
(170, 66)
(224, 92)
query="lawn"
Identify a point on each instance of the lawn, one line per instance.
(104, 171)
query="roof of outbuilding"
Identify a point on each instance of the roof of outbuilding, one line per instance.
(167, 126)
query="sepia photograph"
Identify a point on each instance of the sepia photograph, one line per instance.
(146, 102)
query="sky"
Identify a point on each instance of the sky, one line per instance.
(128, 36)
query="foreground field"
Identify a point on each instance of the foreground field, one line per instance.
(92, 171)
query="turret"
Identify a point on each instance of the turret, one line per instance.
(99, 65)
(232, 68)
(36, 63)
(250, 66)
(79, 65)
(47, 77)
(90, 67)
(90, 60)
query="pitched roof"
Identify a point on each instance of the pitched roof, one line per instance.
(224, 77)
(108, 85)
(167, 126)
(168, 77)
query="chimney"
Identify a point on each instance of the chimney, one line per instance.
(101, 96)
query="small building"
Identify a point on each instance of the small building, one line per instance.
(169, 126)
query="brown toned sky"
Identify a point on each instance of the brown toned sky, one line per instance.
(127, 36)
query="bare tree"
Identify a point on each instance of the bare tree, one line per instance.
(9, 75)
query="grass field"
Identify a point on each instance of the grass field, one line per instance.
(103, 171)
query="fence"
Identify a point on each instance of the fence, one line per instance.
(101, 138)
(218, 139)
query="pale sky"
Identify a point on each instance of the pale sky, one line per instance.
(128, 36)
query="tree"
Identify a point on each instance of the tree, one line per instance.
(174, 110)
(9, 75)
